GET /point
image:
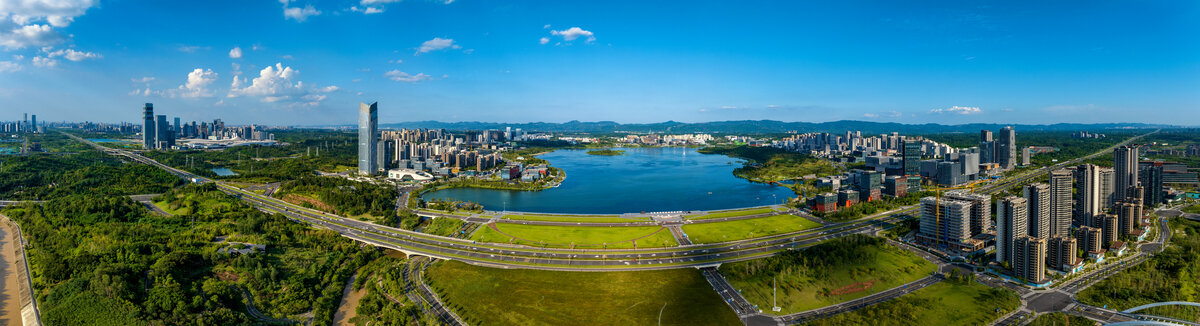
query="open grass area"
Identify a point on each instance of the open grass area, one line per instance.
(1060, 319)
(442, 226)
(581, 237)
(944, 303)
(741, 212)
(576, 218)
(833, 272)
(746, 229)
(488, 296)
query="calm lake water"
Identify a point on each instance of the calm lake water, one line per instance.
(644, 179)
(224, 172)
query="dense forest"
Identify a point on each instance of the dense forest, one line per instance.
(301, 153)
(346, 197)
(105, 260)
(42, 176)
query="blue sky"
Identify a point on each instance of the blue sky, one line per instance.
(311, 61)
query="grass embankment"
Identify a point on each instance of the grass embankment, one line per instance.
(833, 272)
(746, 229)
(581, 237)
(773, 164)
(1173, 275)
(606, 152)
(743, 212)
(1060, 319)
(576, 218)
(487, 296)
(443, 226)
(950, 302)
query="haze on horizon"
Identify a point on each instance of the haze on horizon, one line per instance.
(309, 62)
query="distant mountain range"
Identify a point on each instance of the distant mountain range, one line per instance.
(762, 127)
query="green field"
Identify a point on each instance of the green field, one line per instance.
(826, 274)
(746, 229)
(487, 296)
(944, 303)
(582, 237)
(743, 212)
(576, 219)
(1060, 319)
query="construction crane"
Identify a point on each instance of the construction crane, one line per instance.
(938, 209)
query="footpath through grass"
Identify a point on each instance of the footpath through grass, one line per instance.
(576, 219)
(743, 212)
(950, 302)
(488, 296)
(746, 229)
(833, 272)
(582, 237)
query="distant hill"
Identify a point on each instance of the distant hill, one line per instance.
(762, 127)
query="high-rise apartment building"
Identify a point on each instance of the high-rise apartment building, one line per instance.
(945, 222)
(149, 136)
(1127, 216)
(1125, 170)
(1088, 189)
(1012, 221)
(1107, 192)
(1060, 202)
(1151, 175)
(368, 133)
(1029, 259)
(1108, 227)
(1006, 148)
(1061, 252)
(1037, 195)
(981, 209)
(1091, 239)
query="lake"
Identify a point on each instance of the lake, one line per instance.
(224, 172)
(644, 179)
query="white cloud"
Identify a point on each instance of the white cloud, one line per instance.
(396, 61)
(73, 55)
(437, 43)
(367, 10)
(297, 13)
(29, 35)
(957, 110)
(573, 33)
(44, 62)
(190, 48)
(274, 80)
(446, 2)
(9, 66)
(236, 52)
(198, 82)
(870, 115)
(401, 76)
(544, 40)
(329, 89)
(377, 2)
(143, 79)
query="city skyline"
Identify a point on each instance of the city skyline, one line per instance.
(521, 62)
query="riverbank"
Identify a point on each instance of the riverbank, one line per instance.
(606, 152)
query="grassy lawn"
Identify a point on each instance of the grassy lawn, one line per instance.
(487, 296)
(167, 207)
(577, 219)
(743, 212)
(826, 274)
(588, 236)
(1060, 319)
(442, 226)
(944, 303)
(746, 229)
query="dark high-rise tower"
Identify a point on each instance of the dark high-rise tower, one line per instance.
(987, 147)
(368, 127)
(148, 134)
(912, 164)
(1006, 148)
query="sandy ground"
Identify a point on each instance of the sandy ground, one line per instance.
(349, 304)
(10, 301)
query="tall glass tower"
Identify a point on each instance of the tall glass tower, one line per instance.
(148, 132)
(368, 134)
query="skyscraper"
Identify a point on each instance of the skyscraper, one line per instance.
(1060, 202)
(1037, 195)
(149, 136)
(1029, 259)
(1151, 174)
(1125, 171)
(1006, 148)
(981, 209)
(162, 133)
(33, 126)
(177, 128)
(912, 164)
(987, 147)
(1012, 221)
(368, 127)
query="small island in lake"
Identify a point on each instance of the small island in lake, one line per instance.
(606, 152)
